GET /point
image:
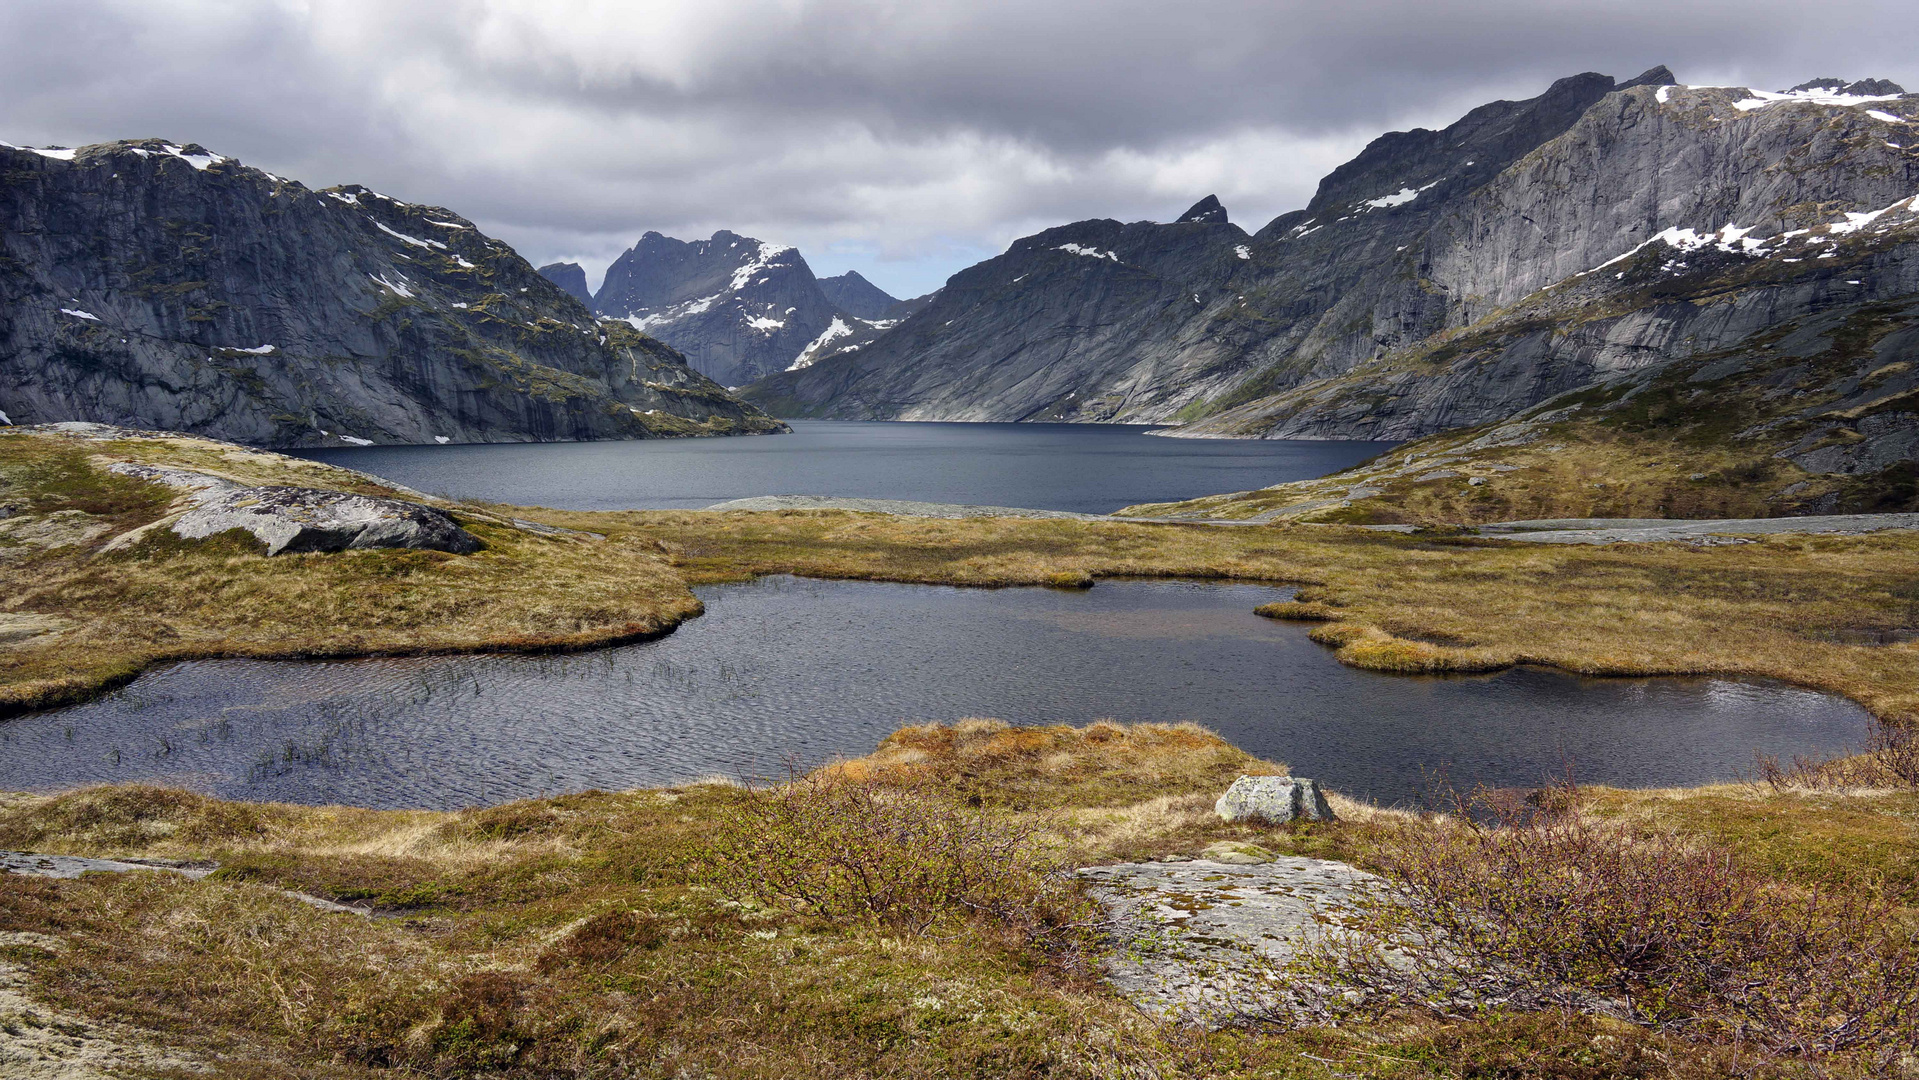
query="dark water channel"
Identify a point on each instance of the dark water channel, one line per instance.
(785, 667)
(1084, 468)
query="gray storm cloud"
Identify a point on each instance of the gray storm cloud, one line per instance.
(901, 139)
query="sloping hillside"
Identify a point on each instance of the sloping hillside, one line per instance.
(164, 286)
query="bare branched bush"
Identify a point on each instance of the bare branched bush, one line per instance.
(1534, 904)
(855, 849)
(1890, 760)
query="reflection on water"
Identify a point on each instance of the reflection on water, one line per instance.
(787, 667)
(1085, 468)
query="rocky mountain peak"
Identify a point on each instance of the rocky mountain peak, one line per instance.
(1396, 171)
(1206, 211)
(1421, 235)
(1860, 88)
(738, 307)
(571, 278)
(855, 295)
(1655, 76)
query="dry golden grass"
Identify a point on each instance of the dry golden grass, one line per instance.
(578, 936)
(1574, 471)
(1783, 607)
(165, 599)
(1101, 764)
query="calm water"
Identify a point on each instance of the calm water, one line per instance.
(1085, 468)
(785, 666)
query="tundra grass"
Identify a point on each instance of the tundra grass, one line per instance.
(1782, 607)
(585, 936)
(114, 613)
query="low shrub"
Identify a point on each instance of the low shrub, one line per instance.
(1890, 760)
(1534, 904)
(852, 849)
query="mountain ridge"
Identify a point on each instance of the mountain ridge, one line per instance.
(1327, 326)
(161, 285)
(738, 307)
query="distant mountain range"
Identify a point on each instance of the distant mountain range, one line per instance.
(739, 308)
(161, 285)
(1573, 243)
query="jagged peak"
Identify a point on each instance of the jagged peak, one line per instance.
(1857, 88)
(192, 153)
(1206, 211)
(1660, 75)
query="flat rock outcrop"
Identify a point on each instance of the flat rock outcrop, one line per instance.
(1208, 941)
(299, 519)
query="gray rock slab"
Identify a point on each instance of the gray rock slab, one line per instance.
(1652, 530)
(300, 519)
(294, 519)
(1206, 941)
(72, 866)
(68, 867)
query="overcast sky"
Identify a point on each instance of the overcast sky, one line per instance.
(902, 138)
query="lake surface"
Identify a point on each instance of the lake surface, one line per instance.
(1084, 468)
(813, 669)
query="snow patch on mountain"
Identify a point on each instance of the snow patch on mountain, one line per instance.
(805, 359)
(397, 289)
(1399, 198)
(1091, 253)
(57, 153)
(411, 241)
(767, 259)
(1818, 95)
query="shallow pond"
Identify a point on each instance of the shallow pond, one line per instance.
(810, 669)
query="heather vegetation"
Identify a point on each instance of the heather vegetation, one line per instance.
(879, 918)
(911, 913)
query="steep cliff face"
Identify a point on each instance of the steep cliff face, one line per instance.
(571, 278)
(738, 308)
(1784, 383)
(164, 286)
(1675, 175)
(1323, 323)
(1100, 321)
(1092, 321)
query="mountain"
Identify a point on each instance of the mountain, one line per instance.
(160, 285)
(1784, 384)
(1439, 280)
(1142, 322)
(740, 309)
(571, 278)
(857, 296)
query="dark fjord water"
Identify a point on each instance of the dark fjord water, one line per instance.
(812, 669)
(1085, 468)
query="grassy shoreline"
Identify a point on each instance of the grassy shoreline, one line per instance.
(82, 618)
